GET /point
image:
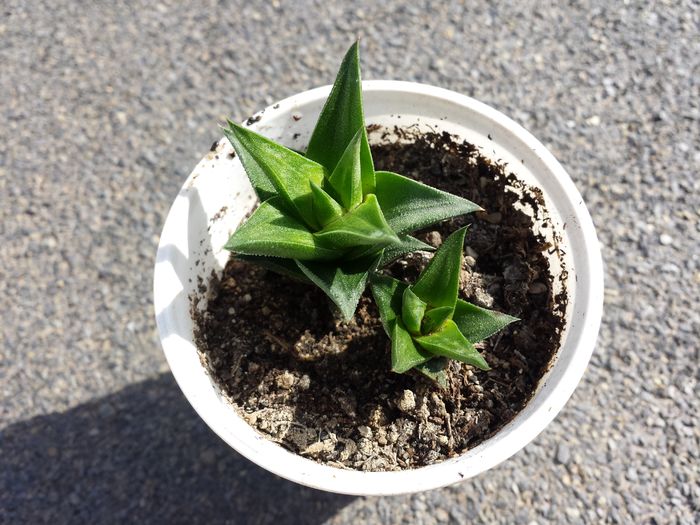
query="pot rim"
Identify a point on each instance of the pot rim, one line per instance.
(484, 456)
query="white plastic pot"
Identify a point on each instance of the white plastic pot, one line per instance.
(217, 195)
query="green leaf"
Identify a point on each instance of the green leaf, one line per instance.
(362, 226)
(449, 342)
(404, 353)
(346, 178)
(388, 294)
(409, 205)
(326, 210)
(477, 323)
(289, 173)
(340, 119)
(270, 231)
(438, 284)
(343, 284)
(412, 310)
(435, 318)
(435, 370)
(279, 265)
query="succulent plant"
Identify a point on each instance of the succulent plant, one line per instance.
(327, 216)
(427, 322)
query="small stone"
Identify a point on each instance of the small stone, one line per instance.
(563, 454)
(265, 310)
(434, 238)
(319, 448)
(573, 513)
(665, 239)
(442, 516)
(231, 311)
(471, 252)
(304, 382)
(285, 380)
(594, 120)
(470, 261)
(407, 401)
(365, 431)
(247, 298)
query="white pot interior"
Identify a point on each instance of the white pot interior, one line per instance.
(216, 197)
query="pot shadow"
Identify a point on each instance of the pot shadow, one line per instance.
(141, 455)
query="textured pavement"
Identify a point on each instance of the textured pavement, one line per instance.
(105, 107)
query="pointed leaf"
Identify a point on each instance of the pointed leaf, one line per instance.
(362, 226)
(435, 318)
(439, 282)
(409, 205)
(343, 284)
(412, 310)
(404, 353)
(477, 323)
(279, 265)
(346, 178)
(435, 369)
(340, 119)
(449, 342)
(270, 231)
(326, 210)
(388, 294)
(289, 173)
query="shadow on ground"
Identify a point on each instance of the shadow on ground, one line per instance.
(141, 455)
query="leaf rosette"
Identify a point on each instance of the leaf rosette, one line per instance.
(327, 216)
(428, 323)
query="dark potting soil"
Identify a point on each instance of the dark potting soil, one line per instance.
(323, 388)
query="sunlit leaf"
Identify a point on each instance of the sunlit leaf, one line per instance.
(388, 294)
(346, 178)
(477, 323)
(412, 310)
(362, 226)
(435, 318)
(340, 119)
(269, 231)
(439, 282)
(449, 342)
(409, 205)
(326, 210)
(404, 353)
(289, 173)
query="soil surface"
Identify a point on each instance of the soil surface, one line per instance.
(323, 388)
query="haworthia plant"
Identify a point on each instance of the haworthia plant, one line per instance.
(327, 216)
(426, 321)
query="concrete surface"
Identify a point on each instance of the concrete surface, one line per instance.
(106, 106)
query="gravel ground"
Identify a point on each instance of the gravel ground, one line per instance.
(106, 107)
